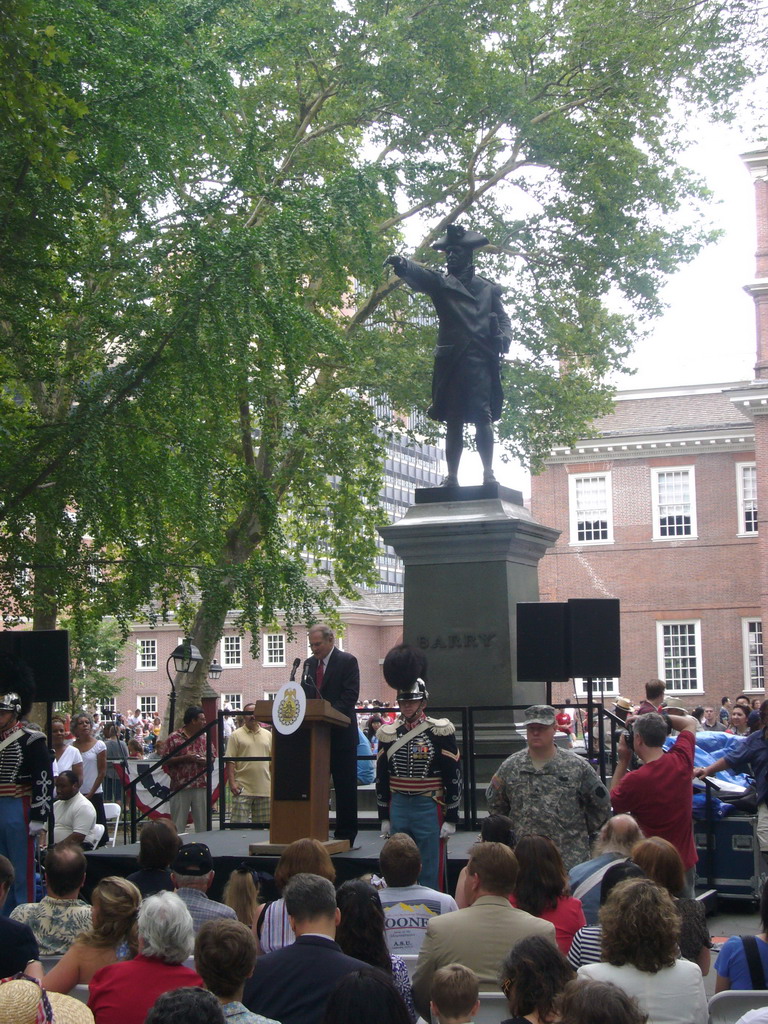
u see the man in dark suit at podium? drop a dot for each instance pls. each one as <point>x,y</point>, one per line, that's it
<point>334,675</point>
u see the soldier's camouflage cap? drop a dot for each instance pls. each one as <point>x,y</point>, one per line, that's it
<point>539,714</point>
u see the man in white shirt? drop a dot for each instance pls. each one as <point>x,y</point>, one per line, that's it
<point>408,907</point>
<point>73,814</point>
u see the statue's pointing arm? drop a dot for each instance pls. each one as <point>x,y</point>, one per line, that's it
<point>421,279</point>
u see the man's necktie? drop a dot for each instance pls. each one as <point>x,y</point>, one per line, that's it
<point>319,675</point>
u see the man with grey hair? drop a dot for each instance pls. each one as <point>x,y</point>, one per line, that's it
<point>192,873</point>
<point>615,841</point>
<point>293,984</point>
<point>659,793</point>
<point>548,791</point>
<point>123,993</point>
<point>334,675</point>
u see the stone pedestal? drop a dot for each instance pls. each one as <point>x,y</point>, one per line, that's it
<point>471,555</point>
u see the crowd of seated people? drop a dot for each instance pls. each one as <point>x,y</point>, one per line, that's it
<point>147,947</point>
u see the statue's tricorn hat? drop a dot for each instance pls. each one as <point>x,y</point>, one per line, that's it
<point>455,235</point>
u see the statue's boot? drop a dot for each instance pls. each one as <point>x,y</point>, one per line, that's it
<point>451,480</point>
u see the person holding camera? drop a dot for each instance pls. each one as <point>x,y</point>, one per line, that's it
<point>659,793</point>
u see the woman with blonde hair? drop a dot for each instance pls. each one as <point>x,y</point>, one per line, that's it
<point>111,938</point>
<point>663,865</point>
<point>641,931</point>
<point>241,893</point>
<point>271,925</point>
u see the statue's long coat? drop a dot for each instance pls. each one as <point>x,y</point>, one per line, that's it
<point>464,315</point>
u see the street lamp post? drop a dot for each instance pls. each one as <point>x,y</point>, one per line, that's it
<point>184,658</point>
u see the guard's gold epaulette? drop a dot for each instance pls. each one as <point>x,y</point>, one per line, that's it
<point>387,731</point>
<point>441,726</point>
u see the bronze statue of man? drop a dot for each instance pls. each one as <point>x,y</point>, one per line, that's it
<point>473,333</point>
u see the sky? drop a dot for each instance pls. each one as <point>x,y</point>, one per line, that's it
<point>707,334</point>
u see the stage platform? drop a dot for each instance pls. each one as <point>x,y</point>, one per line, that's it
<point>229,848</point>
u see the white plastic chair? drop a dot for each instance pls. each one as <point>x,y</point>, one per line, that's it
<point>727,1007</point>
<point>96,833</point>
<point>80,992</point>
<point>493,1008</point>
<point>112,813</point>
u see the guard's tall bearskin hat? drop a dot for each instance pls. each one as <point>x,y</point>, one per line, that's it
<point>405,670</point>
<point>17,685</point>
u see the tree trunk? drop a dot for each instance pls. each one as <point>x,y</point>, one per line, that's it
<point>43,589</point>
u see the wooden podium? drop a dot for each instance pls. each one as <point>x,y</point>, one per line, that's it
<point>301,779</point>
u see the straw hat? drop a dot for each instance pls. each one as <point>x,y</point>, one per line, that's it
<point>23,1001</point>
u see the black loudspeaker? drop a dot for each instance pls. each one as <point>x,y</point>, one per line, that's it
<point>46,651</point>
<point>594,638</point>
<point>541,643</point>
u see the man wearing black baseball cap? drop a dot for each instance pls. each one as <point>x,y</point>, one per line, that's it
<point>192,873</point>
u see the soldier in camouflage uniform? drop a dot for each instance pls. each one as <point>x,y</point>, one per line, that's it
<point>418,779</point>
<point>550,792</point>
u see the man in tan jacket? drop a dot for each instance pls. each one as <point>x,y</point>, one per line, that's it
<point>480,935</point>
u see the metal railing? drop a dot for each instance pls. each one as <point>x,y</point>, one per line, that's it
<point>468,721</point>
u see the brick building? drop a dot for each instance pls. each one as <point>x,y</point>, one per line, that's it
<point>661,508</point>
<point>371,626</point>
<point>658,509</point>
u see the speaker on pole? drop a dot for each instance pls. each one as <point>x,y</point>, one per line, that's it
<point>46,651</point>
<point>541,642</point>
<point>594,638</point>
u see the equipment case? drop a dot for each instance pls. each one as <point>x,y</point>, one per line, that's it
<point>738,871</point>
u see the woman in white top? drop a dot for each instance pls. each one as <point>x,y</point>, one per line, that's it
<point>641,931</point>
<point>66,757</point>
<point>94,754</point>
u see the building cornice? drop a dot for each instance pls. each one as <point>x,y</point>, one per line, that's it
<point>738,436</point>
<point>758,288</point>
<point>626,447</point>
<point>756,161</point>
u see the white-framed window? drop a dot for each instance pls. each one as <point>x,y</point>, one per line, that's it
<point>752,641</point>
<point>590,504</point>
<point>146,655</point>
<point>678,645</point>
<point>746,490</point>
<point>232,651</point>
<point>233,701</point>
<point>674,503</point>
<point>270,694</point>
<point>147,705</point>
<point>599,686</point>
<point>108,707</point>
<point>274,650</point>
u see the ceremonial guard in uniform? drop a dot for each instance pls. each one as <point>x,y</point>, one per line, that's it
<point>26,781</point>
<point>418,779</point>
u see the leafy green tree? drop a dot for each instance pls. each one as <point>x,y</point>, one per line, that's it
<point>95,646</point>
<point>194,316</point>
